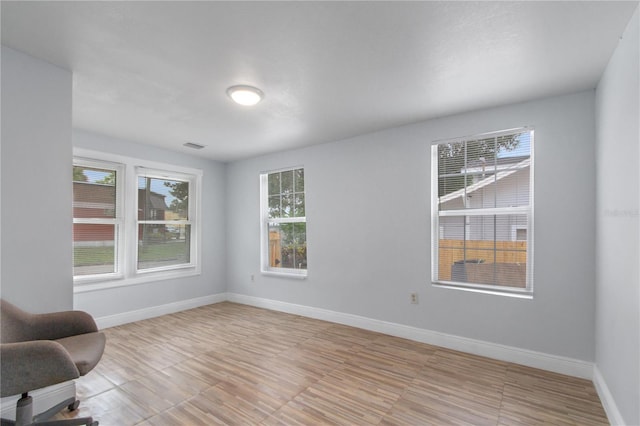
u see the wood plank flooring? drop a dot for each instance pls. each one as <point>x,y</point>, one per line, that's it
<point>239,365</point>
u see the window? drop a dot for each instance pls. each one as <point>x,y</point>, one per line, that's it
<point>97,218</point>
<point>134,220</point>
<point>164,221</point>
<point>482,207</point>
<point>284,222</point>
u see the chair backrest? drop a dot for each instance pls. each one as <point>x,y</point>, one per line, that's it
<point>14,323</point>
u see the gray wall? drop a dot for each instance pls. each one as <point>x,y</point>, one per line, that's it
<point>101,303</point>
<point>618,217</point>
<point>37,141</point>
<point>368,214</point>
<point>36,194</point>
<point>368,221</point>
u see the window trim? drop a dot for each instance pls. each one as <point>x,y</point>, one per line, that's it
<point>527,292</point>
<point>265,220</point>
<point>130,275</point>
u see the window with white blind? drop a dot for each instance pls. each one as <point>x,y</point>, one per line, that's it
<point>133,220</point>
<point>482,212</point>
<point>284,222</point>
<point>97,218</point>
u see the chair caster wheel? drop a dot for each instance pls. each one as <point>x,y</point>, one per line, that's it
<point>74,405</point>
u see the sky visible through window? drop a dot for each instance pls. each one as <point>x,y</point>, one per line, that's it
<point>523,148</point>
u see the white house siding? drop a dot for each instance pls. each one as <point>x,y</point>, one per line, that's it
<point>510,191</point>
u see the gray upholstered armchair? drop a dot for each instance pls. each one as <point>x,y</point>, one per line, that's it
<point>39,350</point>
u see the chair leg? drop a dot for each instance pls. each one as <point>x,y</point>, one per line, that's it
<point>24,410</point>
<point>80,421</point>
<point>69,402</point>
<point>24,414</point>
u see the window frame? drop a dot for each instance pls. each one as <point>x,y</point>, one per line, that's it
<point>527,210</point>
<point>117,220</point>
<point>191,215</point>
<point>265,220</point>
<point>128,252</point>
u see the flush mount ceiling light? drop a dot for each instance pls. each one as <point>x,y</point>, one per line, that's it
<point>245,95</point>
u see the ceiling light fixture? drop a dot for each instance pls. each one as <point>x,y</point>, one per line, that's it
<point>245,95</point>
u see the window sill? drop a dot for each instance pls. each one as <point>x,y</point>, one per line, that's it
<point>88,286</point>
<point>493,290</point>
<point>293,275</point>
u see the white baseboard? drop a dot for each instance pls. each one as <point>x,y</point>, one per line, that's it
<point>156,311</point>
<point>43,399</point>
<point>563,365</point>
<point>609,404</point>
<point>558,364</point>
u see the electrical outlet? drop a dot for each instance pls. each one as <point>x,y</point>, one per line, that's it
<point>414,298</point>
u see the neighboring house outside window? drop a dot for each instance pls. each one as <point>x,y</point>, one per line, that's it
<point>482,206</point>
<point>284,222</point>
<point>134,220</point>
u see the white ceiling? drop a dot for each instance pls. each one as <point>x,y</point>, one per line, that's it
<point>156,72</point>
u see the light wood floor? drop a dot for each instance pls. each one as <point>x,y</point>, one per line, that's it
<point>239,365</point>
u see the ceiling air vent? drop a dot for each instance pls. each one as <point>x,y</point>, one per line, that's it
<point>193,145</point>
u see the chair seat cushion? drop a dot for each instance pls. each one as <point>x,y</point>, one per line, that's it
<point>32,365</point>
<point>85,350</point>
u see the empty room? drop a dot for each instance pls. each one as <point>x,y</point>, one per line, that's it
<point>320,213</point>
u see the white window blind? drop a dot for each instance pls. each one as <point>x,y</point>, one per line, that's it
<point>482,206</point>
<point>97,218</point>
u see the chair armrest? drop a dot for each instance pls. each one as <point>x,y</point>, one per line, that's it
<point>27,366</point>
<point>58,325</point>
